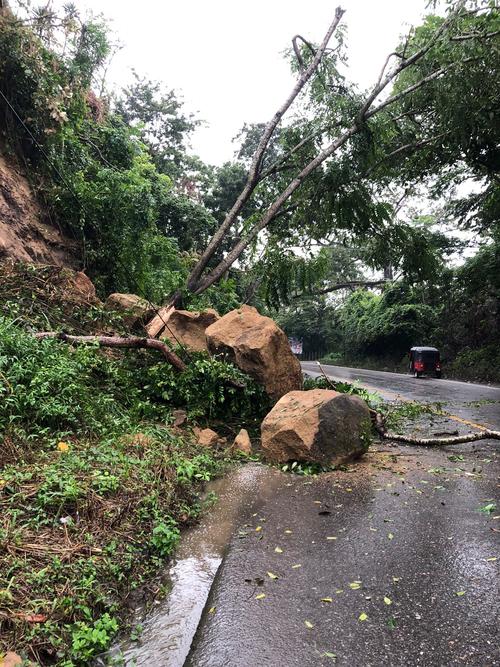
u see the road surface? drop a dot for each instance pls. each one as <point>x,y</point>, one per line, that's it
<point>391,562</point>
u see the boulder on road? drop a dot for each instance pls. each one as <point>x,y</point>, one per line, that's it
<point>319,425</point>
<point>188,328</point>
<point>258,347</point>
<point>133,308</point>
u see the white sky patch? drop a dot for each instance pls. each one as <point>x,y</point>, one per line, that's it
<point>226,56</point>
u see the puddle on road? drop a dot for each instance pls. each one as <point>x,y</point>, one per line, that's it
<point>169,629</point>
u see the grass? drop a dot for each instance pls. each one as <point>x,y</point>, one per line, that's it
<point>85,523</point>
<point>95,483</point>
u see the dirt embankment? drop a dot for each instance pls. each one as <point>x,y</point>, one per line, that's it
<point>24,233</point>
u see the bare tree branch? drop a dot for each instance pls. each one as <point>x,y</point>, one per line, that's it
<point>346,285</point>
<point>118,341</point>
<point>253,174</point>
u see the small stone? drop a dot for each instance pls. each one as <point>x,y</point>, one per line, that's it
<point>180,417</point>
<point>206,437</point>
<point>11,659</point>
<point>242,443</point>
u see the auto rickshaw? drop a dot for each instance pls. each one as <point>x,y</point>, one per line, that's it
<point>424,361</point>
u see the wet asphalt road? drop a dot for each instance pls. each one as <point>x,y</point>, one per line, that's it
<point>408,548</point>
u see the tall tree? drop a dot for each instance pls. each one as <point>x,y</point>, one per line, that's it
<point>343,133</point>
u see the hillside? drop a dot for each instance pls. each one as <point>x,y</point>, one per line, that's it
<point>25,232</point>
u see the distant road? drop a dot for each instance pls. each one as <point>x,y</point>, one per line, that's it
<point>390,385</point>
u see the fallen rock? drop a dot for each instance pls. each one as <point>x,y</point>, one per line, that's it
<point>206,437</point>
<point>319,425</point>
<point>180,417</point>
<point>258,347</point>
<point>242,443</point>
<point>134,309</point>
<point>188,328</point>
<point>10,659</point>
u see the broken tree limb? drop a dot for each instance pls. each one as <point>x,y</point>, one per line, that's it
<point>119,341</point>
<point>379,423</point>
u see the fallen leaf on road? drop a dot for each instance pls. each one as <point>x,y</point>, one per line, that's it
<point>387,600</point>
<point>491,560</point>
<point>362,617</point>
<point>212,610</point>
<point>308,624</point>
<point>328,654</point>
<point>258,529</point>
<point>297,565</point>
<point>460,593</point>
<point>260,596</point>
<point>355,585</point>
<point>339,591</point>
<point>288,532</point>
<point>278,550</point>
<point>390,536</point>
<point>331,537</point>
<point>271,575</point>
<point>326,600</point>
<point>396,579</point>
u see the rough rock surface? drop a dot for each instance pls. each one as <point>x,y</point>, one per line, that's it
<point>242,443</point>
<point>206,437</point>
<point>258,347</point>
<point>319,425</point>
<point>24,234</point>
<point>134,308</point>
<point>188,328</point>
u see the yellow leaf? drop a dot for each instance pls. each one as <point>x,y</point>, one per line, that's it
<point>288,532</point>
<point>460,593</point>
<point>491,560</point>
<point>294,567</point>
<point>326,600</point>
<point>390,536</point>
<point>355,585</point>
<point>62,446</point>
<point>212,610</point>
<point>396,579</point>
<point>362,617</point>
<point>258,529</point>
<point>260,596</point>
<point>340,590</point>
<point>308,624</point>
<point>387,600</point>
<point>278,550</point>
<point>272,576</point>
<point>331,537</point>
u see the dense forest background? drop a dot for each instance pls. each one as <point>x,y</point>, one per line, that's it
<point>395,242</point>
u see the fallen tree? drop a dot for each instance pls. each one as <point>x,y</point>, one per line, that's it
<point>120,341</point>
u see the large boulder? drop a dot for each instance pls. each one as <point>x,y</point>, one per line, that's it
<point>258,347</point>
<point>135,310</point>
<point>188,328</point>
<point>319,425</point>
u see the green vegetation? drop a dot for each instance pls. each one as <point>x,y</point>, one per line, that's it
<point>95,484</point>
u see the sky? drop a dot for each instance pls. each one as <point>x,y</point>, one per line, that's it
<point>225,57</point>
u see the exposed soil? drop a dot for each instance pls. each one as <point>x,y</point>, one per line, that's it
<point>24,233</point>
